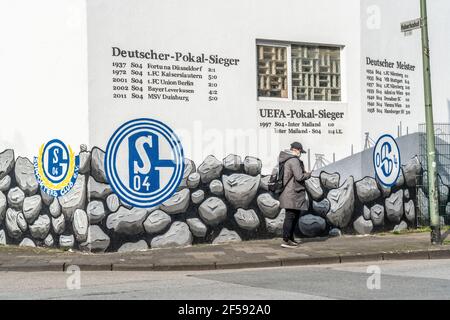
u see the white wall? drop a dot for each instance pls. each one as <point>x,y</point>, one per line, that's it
<point>228,28</point>
<point>43,83</point>
<point>43,52</point>
<point>439,26</point>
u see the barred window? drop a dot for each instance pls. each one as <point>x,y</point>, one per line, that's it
<point>272,71</point>
<point>313,72</point>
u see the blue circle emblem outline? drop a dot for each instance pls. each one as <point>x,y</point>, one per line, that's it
<point>64,147</point>
<point>399,161</point>
<point>126,194</point>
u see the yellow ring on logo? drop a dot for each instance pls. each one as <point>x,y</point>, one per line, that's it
<point>69,175</point>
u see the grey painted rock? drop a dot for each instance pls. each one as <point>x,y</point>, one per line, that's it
<point>12,227</point>
<point>213,211</point>
<point>269,207</point>
<point>156,222</point>
<point>32,207</point>
<point>6,162</point>
<point>314,188</point>
<point>189,168</point>
<point>385,191</point>
<point>400,180</point>
<point>46,198</point>
<point>363,226</point>
<point>127,221</point>
<point>410,211</point>
<point>16,198</point>
<point>366,213</point>
<point>312,226</point>
<point>5,183</point>
<point>2,238</point>
<point>216,187</point>
<point>22,222</point>
<point>141,245</point>
<point>335,232</point>
<point>98,165</point>
<point>367,190</point>
<point>377,215</point>
<point>85,162</point>
<point>232,163</point>
<point>55,208</point>
<point>3,205</point>
<point>247,219</point>
<point>406,194</point>
<point>96,241</point>
<point>59,224</point>
<point>424,185</point>
<point>252,166</point>
<point>198,196</point>
<point>75,198</point>
<point>411,171</point>
<point>443,194</point>
<point>95,211</point>
<point>66,241</point>
<point>275,226</point>
<point>342,203</point>
<point>126,205</point>
<point>264,183</point>
<point>97,190</point>
<point>422,209</point>
<point>394,207</point>
<point>322,207</point>
<point>210,169</point>
<point>25,178</point>
<point>27,243</point>
<point>152,209</point>
<point>49,241</point>
<point>240,189</point>
<point>40,228</point>
<point>227,236</point>
<point>193,180</point>
<point>113,202</point>
<point>330,181</point>
<point>178,235</point>
<point>178,203</point>
<point>402,226</point>
<point>198,228</point>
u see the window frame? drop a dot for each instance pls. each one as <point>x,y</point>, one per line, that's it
<point>288,45</point>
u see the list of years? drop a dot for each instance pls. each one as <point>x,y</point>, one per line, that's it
<point>163,82</point>
<point>388,91</point>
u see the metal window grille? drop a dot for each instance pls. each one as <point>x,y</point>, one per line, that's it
<point>316,73</point>
<point>442,141</point>
<point>272,71</point>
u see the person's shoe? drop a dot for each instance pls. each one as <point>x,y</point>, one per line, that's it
<point>288,245</point>
<point>294,243</point>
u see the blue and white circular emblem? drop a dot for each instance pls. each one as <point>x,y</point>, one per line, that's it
<point>144,162</point>
<point>387,161</point>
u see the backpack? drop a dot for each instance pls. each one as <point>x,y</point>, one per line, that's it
<point>276,184</point>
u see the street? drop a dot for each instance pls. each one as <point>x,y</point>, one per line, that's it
<point>397,280</point>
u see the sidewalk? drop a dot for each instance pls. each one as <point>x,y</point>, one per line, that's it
<point>253,254</point>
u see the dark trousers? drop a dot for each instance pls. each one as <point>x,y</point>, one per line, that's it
<point>290,221</point>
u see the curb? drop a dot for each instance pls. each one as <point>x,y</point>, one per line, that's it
<point>288,262</point>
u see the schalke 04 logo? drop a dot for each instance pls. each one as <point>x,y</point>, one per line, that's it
<point>386,160</point>
<point>144,162</point>
<point>56,168</point>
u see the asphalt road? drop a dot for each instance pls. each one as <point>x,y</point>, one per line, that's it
<point>397,280</point>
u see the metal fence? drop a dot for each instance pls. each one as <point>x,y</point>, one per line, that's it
<point>442,140</point>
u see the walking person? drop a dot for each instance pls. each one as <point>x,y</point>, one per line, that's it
<point>293,197</point>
